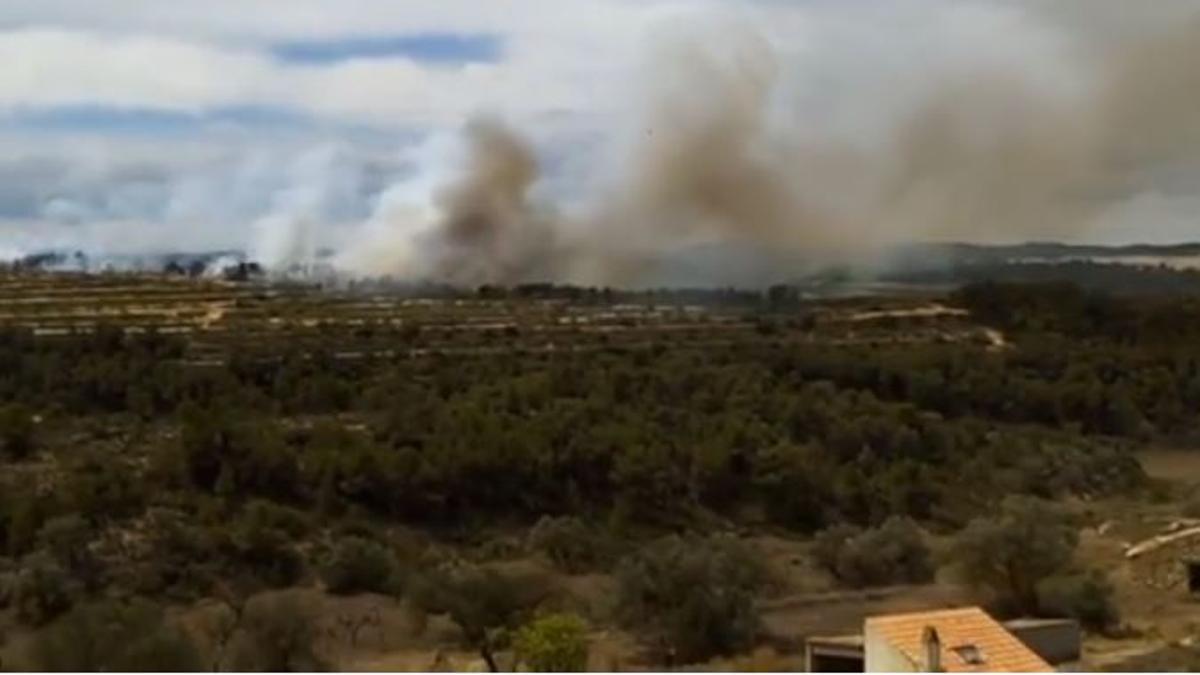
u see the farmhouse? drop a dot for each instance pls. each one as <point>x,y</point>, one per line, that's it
<point>953,640</point>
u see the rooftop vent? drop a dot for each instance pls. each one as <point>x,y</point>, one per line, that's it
<point>970,654</point>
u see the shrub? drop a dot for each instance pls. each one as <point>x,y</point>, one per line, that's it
<point>1010,554</point>
<point>17,431</point>
<point>483,603</point>
<point>1085,597</point>
<point>67,539</point>
<point>554,643</point>
<point>265,550</point>
<point>360,566</point>
<point>292,522</point>
<point>99,486</point>
<point>114,637</point>
<point>277,634</point>
<point>794,481</point>
<point>42,590</point>
<point>182,558</point>
<point>569,543</point>
<point>893,553</point>
<point>829,544</point>
<point>693,598</point>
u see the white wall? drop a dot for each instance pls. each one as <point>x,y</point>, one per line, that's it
<point>881,656</point>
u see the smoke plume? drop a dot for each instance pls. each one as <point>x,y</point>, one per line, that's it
<point>718,154</point>
<point>480,227</point>
<point>743,148</point>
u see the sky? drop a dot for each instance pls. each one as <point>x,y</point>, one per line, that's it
<point>139,125</point>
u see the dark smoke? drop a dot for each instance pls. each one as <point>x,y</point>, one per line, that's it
<point>491,231</point>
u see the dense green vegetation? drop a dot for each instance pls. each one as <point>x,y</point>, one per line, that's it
<point>1024,557</point>
<point>1099,274</point>
<point>555,643</point>
<point>282,466</point>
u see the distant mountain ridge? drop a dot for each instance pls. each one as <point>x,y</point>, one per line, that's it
<point>1050,250</point>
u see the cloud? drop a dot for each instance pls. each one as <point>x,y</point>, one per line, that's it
<point>425,62</point>
<point>196,78</point>
<point>265,21</point>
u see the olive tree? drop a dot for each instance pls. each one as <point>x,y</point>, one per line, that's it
<point>1009,554</point>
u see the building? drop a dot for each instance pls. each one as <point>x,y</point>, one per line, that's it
<point>1168,561</point>
<point>954,640</point>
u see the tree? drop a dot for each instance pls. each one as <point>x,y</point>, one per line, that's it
<point>1087,597</point>
<point>693,598</point>
<point>276,634</point>
<point>17,431</point>
<point>42,590</point>
<point>111,636</point>
<point>569,543</point>
<point>232,455</point>
<point>651,482</point>
<point>1010,554</point>
<point>67,539</point>
<point>360,566</point>
<point>795,485</point>
<point>893,553</point>
<point>553,643</point>
<point>485,604</point>
<point>263,545</point>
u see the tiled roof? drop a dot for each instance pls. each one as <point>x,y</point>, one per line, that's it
<point>1000,650</point>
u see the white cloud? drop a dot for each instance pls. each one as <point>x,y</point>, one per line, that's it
<point>196,56</point>
<point>59,68</point>
<point>56,68</point>
<point>256,21</point>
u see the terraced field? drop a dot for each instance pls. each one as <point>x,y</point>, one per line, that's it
<point>220,317</point>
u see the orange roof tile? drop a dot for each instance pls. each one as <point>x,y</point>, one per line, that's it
<point>1001,650</point>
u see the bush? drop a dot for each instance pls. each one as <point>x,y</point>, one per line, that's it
<point>17,430</point>
<point>277,634</point>
<point>554,643</point>
<point>794,481</point>
<point>893,553</point>
<point>42,590</point>
<point>483,603</point>
<point>98,486</point>
<point>694,599</point>
<point>829,544</point>
<point>67,539</point>
<point>114,637</point>
<point>360,566</point>
<point>182,557</point>
<point>1085,597</point>
<point>1009,555</point>
<point>569,543</point>
<point>265,549</point>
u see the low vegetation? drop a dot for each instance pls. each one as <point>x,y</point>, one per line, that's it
<point>690,600</point>
<point>1024,560</point>
<point>553,643</point>
<point>409,461</point>
<point>113,636</point>
<point>896,552</point>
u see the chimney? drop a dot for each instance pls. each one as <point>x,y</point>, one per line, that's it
<point>932,646</point>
